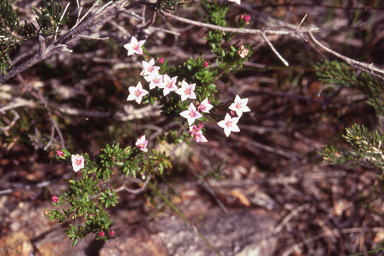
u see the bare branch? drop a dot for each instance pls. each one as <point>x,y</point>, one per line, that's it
<point>72,36</point>
<point>238,30</point>
<point>274,50</point>
<point>135,191</point>
<point>346,59</point>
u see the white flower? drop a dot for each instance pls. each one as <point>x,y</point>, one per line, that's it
<point>235,1</point>
<point>191,114</point>
<point>186,91</point>
<point>229,124</point>
<point>169,84</point>
<point>149,68</point>
<point>134,46</point>
<point>240,106</point>
<point>137,93</point>
<point>205,106</point>
<point>199,137</point>
<point>155,79</point>
<point>77,162</point>
<point>142,143</point>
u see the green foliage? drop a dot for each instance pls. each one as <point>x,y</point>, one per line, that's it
<point>335,73</point>
<point>365,146</point>
<point>88,196</point>
<point>49,18</point>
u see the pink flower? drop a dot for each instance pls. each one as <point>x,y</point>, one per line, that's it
<point>193,129</point>
<point>199,137</point>
<point>161,60</point>
<point>112,233</point>
<point>205,106</point>
<point>247,18</point>
<point>77,162</point>
<point>243,52</point>
<point>60,153</point>
<point>169,84</point>
<point>101,233</point>
<point>191,114</point>
<point>137,93</point>
<point>240,106</point>
<point>134,46</point>
<point>206,64</point>
<point>234,1</point>
<point>149,68</point>
<point>229,124</point>
<point>142,143</point>
<point>154,80</point>
<point>55,199</point>
<point>186,91</point>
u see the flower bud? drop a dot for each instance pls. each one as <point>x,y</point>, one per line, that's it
<point>101,233</point>
<point>60,153</point>
<point>55,199</point>
<point>206,64</point>
<point>247,18</point>
<point>112,233</point>
<point>161,60</point>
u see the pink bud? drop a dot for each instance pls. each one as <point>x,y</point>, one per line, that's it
<point>247,18</point>
<point>112,233</point>
<point>101,233</point>
<point>161,60</point>
<point>200,126</point>
<point>59,153</point>
<point>206,64</point>
<point>46,212</point>
<point>55,199</point>
<point>232,113</point>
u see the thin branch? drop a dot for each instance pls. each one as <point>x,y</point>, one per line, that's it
<point>238,30</point>
<point>72,36</point>
<point>135,191</point>
<point>346,59</point>
<point>6,128</point>
<point>94,38</point>
<point>43,47</point>
<point>298,28</point>
<point>274,50</point>
<point>61,18</point>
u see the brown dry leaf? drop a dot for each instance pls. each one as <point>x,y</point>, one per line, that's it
<point>242,198</point>
<point>379,237</point>
<point>340,206</point>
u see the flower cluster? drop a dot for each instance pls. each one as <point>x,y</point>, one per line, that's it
<point>229,124</point>
<point>242,52</point>
<point>168,84</point>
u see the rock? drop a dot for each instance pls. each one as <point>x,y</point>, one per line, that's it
<point>16,244</point>
<point>134,246</point>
